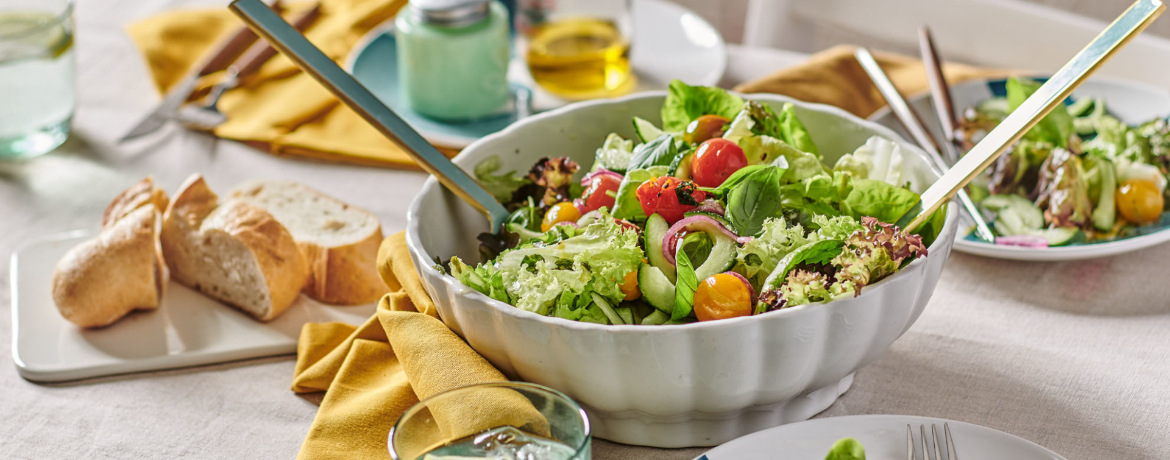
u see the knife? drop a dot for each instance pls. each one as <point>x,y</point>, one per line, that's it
<point>226,52</point>
<point>1052,92</point>
<point>940,92</point>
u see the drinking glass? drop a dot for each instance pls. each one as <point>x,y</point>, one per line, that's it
<point>37,97</point>
<point>577,49</point>
<point>501,420</point>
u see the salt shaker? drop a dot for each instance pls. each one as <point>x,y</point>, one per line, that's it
<point>453,57</point>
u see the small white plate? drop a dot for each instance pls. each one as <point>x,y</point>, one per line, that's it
<point>884,437</point>
<point>188,329</point>
<point>1132,102</point>
<point>669,42</point>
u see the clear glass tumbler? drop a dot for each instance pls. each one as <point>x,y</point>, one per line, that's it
<point>37,95</point>
<point>501,420</point>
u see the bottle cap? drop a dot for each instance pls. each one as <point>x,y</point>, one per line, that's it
<point>449,13</point>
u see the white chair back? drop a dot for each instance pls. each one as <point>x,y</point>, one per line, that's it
<point>1004,33</point>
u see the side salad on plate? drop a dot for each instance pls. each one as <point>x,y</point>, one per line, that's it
<point>725,210</point>
<point>1079,176</point>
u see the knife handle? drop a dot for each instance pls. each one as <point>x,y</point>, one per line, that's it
<point>260,52</point>
<point>229,50</point>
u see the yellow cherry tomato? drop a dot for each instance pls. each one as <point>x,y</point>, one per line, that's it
<point>722,296</point>
<point>630,286</point>
<point>560,212</point>
<point>1139,201</point>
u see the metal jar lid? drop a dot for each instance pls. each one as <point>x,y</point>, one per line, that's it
<point>449,13</point>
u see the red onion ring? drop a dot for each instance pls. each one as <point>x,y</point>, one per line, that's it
<point>711,205</point>
<point>579,203</point>
<point>1027,241</point>
<point>600,172</point>
<point>751,290</point>
<point>670,239</point>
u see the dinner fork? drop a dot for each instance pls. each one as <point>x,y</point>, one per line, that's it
<point>926,454</point>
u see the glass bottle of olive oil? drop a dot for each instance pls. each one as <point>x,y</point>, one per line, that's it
<point>577,49</point>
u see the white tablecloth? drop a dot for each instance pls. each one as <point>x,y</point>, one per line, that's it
<point>1071,356</point>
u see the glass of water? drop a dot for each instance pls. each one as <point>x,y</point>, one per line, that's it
<point>500,420</point>
<point>37,96</point>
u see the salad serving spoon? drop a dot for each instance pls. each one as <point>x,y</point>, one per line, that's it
<point>309,58</point>
<point>1052,92</point>
<point>912,124</point>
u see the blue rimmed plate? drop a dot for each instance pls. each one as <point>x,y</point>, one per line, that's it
<point>669,42</point>
<point>1131,102</point>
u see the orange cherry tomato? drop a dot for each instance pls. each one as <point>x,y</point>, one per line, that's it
<point>722,296</point>
<point>661,195</point>
<point>1139,201</point>
<point>630,286</point>
<point>560,212</point>
<point>715,160</point>
<point>705,127</point>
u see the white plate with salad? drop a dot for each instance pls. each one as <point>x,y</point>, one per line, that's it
<point>1049,197</point>
<point>875,437</point>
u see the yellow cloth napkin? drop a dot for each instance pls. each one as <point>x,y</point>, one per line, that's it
<point>280,108</point>
<point>835,77</point>
<point>373,373</point>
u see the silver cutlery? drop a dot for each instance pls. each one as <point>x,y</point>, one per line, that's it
<point>937,454</point>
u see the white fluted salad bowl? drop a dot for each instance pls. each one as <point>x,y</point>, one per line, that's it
<point>698,384</point>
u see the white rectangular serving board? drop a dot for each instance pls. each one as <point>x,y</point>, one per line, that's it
<point>188,329</point>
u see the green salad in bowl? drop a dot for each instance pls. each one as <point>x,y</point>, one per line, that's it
<point>726,210</point>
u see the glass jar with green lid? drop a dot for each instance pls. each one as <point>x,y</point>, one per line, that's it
<point>453,57</point>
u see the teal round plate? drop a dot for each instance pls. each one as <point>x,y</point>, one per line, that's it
<point>669,42</point>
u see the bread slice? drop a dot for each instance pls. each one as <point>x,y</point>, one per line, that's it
<point>121,270</point>
<point>235,252</point>
<point>138,195</point>
<point>339,242</point>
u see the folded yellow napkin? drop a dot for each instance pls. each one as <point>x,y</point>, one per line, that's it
<point>835,77</point>
<point>373,373</point>
<point>280,108</point>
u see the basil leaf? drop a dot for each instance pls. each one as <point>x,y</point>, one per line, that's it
<point>878,199</point>
<point>754,199</point>
<point>736,177</point>
<point>817,252</point>
<point>684,289</point>
<point>1055,128</point>
<point>659,152</point>
<point>685,103</point>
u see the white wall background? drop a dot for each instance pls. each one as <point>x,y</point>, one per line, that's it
<point>728,16</point>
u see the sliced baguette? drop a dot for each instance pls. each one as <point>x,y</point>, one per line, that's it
<point>339,241</point>
<point>121,270</point>
<point>138,195</point>
<point>235,252</point>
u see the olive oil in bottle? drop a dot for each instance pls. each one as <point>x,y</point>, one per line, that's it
<point>577,49</point>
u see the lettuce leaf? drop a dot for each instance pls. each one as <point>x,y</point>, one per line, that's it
<point>880,159</point>
<point>793,131</point>
<point>502,185</point>
<point>878,199</point>
<point>757,258</point>
<point>1054,128</point>
<point>614,154</point>
<point>685,103</point>
<point>846,449</point>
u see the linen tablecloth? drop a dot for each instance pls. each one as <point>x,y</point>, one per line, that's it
<point>1075,357</point>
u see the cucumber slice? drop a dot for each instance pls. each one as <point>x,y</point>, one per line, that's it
<point>722,256</point>
<point>1057,236</point>
<point>607,309</point>
<point>656,289</point>
<point>682,169</point>
<point>656,318</point>
<point>996,107</point>
<point>646,131</point>
<point>525,233</point>
<point>1015,215</point>
<point>626,314</point>
<point>656,228</point>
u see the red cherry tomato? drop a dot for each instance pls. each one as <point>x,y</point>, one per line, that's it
<point>661,195</point>
<point>722,296</point>
<point>602,191</point>
<point>715,160</point>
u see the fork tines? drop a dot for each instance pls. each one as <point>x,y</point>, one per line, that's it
<point>926,451</point>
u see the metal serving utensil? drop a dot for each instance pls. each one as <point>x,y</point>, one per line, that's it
<point>912,124</point>
<point>1052,92</point>
<point>309,58</point>
<point>940,93</point>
